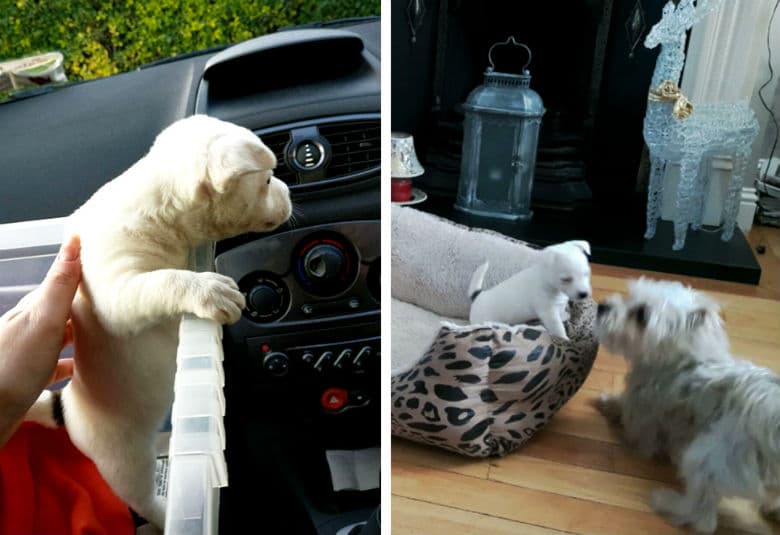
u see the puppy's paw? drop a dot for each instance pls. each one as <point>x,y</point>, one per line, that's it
<point>217,297</point>
<point>610,407</point>
<point>559,332</point>
<point>563,311</point>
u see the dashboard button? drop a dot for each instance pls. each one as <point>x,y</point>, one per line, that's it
<point>359,398</point>
<point>334,399</point>
<point>323,361</point>
<point>276,364</point>
<point>360,359</point>
<point>344,357</point>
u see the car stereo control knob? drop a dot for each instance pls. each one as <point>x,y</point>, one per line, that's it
<point>276,364</point>
<point>324,262</point>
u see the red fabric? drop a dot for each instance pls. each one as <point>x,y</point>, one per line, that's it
<point>47,487</point>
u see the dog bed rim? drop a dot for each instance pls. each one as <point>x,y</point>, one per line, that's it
<point>473,327</point>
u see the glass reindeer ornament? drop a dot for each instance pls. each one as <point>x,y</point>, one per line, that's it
<point>500,137</point>
<point>677,131</point>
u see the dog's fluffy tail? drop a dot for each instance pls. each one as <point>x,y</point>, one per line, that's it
<point>47,409</point>
<point>477,280</point>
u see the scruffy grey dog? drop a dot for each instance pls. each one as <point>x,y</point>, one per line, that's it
<point>716,418</point>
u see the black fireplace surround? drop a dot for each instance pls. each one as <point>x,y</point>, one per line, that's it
<point>592,71</point>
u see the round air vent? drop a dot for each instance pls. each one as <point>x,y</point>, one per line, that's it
<point>309,155</point>
<point>328,149</point>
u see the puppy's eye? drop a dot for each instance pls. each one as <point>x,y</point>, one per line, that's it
<point>567,280</point>
<point>639,314</point>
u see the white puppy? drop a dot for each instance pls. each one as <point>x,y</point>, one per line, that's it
<point>686,398</point>
<point>540,291</point>
<point>203,179</point>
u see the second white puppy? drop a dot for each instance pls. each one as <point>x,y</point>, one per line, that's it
<point>540,291</point>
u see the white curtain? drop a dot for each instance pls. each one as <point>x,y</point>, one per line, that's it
<point>727,60</point>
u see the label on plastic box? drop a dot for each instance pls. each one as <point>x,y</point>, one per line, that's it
<point>161,477</point>
<point>162,467</point>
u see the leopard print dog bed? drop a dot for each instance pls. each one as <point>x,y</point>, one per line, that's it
<point>485,390</point>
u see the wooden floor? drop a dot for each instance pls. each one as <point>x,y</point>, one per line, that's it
<point>576,477</point>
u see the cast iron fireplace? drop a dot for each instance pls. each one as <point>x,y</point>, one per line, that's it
<point>592,71</point>
<point>594,96</point>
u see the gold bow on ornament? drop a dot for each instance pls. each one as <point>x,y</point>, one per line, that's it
<point>669,92</point>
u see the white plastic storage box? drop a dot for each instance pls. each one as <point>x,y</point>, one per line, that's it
<point>195,467</point>
<point>196,453</point>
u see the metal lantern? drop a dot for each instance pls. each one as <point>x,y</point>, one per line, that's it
<point>500,136</point>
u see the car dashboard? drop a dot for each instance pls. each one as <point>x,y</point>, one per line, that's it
<point>302,364</point>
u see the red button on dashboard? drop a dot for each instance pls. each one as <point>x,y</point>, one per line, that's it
<point>333,399</point>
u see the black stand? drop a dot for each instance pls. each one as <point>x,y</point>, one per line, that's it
<point>616,238</point>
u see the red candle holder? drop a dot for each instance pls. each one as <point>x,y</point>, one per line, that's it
<point>401,189</point>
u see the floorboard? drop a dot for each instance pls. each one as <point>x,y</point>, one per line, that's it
<point>577,477</point>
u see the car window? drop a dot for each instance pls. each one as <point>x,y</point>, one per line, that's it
<point>50,43</point>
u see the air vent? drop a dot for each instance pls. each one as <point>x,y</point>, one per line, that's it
<point>353,149</point>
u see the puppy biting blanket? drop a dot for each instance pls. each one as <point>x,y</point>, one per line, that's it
<point>47,487</point>
<point>479,390</point>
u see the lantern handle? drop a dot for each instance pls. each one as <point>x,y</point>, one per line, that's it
<point>509,41</point>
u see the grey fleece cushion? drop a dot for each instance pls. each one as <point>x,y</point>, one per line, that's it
<point>433,260</point>
<point>480,390</point>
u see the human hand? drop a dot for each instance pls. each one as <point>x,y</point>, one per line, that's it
<point>33,333</point>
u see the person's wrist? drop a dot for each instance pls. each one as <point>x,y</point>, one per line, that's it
<point>14,404</point>
<point>18,396</point>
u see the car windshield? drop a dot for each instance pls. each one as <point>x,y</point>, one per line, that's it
<point>47,44</point>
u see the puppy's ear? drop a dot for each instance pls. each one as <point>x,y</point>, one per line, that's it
<point>582,245</point>
<point>231,156</point>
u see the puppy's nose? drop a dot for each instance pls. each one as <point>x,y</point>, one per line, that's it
<point>582,295</point>
<point>602,309</point>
